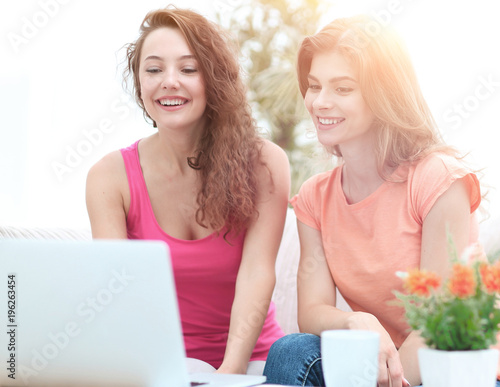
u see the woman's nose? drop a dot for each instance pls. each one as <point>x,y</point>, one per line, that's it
<point>323,100</point>
<point>170,81</point>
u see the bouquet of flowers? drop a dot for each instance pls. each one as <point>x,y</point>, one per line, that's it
<point>462,313</point>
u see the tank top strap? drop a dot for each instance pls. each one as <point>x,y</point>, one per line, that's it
<point>140,212</point>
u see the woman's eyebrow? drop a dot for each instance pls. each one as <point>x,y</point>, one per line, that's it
<point>152,57</point>
<point>156,57</point>
<point>334,79</point>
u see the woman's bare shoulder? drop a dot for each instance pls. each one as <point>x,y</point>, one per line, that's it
<point>108,174</point>
<point>275,170</point>
<point>273,153</point>
<point>108,165</point>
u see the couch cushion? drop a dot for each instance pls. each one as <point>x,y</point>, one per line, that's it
<point>287,261</point>
<point>9,232</point>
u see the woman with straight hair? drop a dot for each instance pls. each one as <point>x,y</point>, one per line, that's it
<point>205,183</point>
<point>388,206</point>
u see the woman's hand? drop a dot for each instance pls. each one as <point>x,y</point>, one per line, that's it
<point>408,353</point>
<point>390,369</point>
<point>225,369</point>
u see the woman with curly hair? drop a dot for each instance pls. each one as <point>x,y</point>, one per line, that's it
<point>205,183</point>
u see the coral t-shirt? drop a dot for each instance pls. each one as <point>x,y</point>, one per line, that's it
<point>366,243</point>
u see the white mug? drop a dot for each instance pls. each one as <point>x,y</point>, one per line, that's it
<point>350,358</point>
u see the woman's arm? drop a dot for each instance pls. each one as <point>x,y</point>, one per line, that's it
<point>316,304</point>
<point>315,286</point>
<point>256,275</point>
<point>106,182</point>
<point>450,213</point>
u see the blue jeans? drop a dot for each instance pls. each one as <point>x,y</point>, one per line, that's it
<point>295,360</point>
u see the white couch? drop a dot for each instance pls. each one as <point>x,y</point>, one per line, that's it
<point>285,293</point>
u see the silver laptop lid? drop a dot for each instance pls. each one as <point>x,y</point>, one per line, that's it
<point>98,313</point>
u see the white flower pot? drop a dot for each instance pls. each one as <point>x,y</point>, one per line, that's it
<point>458,368</point>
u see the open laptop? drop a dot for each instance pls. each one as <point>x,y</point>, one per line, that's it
<point>93,313</point>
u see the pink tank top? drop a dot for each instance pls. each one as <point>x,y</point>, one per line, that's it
<point>205,273</point>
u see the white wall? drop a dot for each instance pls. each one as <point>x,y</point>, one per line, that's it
<point>63,107</point>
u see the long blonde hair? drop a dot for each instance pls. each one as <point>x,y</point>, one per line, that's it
<point>406,129</point>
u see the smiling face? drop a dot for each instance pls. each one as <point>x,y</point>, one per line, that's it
<point>335,103</point>
<point>172,86</point>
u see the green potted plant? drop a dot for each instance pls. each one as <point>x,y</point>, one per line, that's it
<point>458,320</point>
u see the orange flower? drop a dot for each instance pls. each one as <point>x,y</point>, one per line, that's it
<point>420,282</point>
<point>462,282</point>
<point>490,275</point>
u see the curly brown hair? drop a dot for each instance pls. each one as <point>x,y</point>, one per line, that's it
<point>229,148</point>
